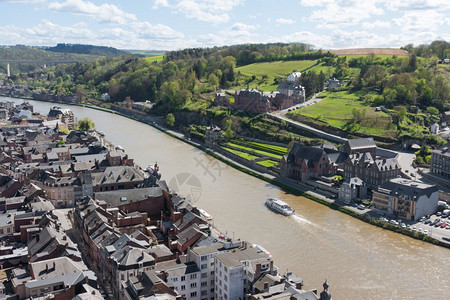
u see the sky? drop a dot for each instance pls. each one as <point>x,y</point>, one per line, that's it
<point>179,24</point>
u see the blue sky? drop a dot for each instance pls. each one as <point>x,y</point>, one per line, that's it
<point>178,24</point>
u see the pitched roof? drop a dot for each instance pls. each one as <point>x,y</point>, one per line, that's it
<point>307,152</point>
<point>361,143</point>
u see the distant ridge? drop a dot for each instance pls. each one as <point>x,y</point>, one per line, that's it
<point>368,51</point>
<point>86,49</point>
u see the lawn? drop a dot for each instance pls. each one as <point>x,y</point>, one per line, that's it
<point>154,58</point>
<point>242,154</point>
<point>267,163</point>
<point>266,147</point>
<point>266,72</point>
<point>336,110</point>
<point>265,153</point>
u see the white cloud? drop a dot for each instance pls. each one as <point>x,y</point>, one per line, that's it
<point>46,33</point>
<point>285,21</point>
<point>319,41</point>
<point>376,24</point>
<point>213,11</point>
<point>413,21</point>
<point>23,1</point>
<point>334,14</point>
<point>160,3</point>
<point>238,33</point>
<point>403,5</point>
<point>160,31</point>
<point>107,13</point>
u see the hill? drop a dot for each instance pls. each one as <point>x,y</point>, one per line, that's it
<point>86,49</point>
<point>25,59</point>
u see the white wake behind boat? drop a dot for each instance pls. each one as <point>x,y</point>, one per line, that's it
<point>279,206</point>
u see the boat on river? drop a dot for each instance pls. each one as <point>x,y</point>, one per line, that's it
<point>205,215</point>
<point>279,206</point>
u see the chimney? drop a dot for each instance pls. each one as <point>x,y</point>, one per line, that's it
<point>266,285</point>
<point>258,270</point>
<point>271,266</point>
<point>64,237</point>
<point>46,267</point>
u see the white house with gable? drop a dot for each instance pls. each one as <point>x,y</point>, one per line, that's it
<point>294,76</point>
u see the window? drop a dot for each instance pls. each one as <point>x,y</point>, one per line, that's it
<point>122,277</point>
<point>175,279</point>
<point>194,276</point>
<point>204,258</point>
<point>194,284</point>
<point>204,283</point>
<point>183,278</point>
<point>194,294</point>
<point>204,275</point>
<point>204,266</point>
<point>212,282</point>
<point>183,287</point>
<point>204,293</point>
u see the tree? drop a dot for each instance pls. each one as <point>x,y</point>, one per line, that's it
<point>86,124</point>
<point>170,120</point>
<point>229,134</point>
<point>213,80</point>
<point>358,114</point>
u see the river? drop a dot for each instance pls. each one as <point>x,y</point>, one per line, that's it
<point>359,261</point>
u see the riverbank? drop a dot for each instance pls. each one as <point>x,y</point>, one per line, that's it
<point>284,184</point>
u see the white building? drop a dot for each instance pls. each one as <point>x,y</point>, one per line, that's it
<point>236,271</point>
<point>6,224</point>
<point>294,76</point>
<point>434,129</point>
<point>204,256</point>
<point>185,277</point>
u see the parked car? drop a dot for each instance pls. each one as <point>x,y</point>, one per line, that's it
<point>361,207</point>
<point>435,221</point>
<point>419,230</point>
<point>426,231</point>
<point>393,222</point>
<point>443,225</point>
<point>427,221</point>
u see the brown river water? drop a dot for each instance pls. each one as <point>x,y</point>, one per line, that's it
<point>359,261</point>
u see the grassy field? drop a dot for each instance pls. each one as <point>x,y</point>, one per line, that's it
<point>265,153</point>
<point>266,72</point>
<point>154,58</point>
<point>266,147</point>
<point>267,163</point>
<point>336,110</point>
<point>242,154</point>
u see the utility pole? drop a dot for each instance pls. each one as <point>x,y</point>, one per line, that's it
<point>8,72</point>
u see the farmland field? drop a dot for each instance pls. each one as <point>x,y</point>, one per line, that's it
<point>154,58</point>
<point>242,154</point>
<point>368,51</point>
<point>266,72</point>
<point>265,153</point>
<point>267,163</point>
<point>336,109</point>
